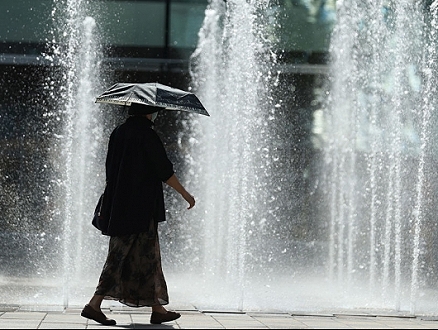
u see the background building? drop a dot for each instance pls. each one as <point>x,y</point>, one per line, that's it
<point>139,41</point>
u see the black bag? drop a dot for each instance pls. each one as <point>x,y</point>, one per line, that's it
<point>100,218</point>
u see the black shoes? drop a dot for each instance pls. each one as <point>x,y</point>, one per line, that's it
<point>158,318</point>
<point>92,314</point>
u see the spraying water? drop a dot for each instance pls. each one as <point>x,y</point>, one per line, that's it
<point>377,140</point>
<point>372,253</point>
<point>235,157</point>
<point>430,101</point>
<point>79,162</point>
<point>374,247</point>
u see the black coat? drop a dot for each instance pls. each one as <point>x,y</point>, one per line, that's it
<point>136,166</point>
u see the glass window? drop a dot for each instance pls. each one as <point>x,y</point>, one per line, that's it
<point>25,20</point>
<point>129,25</point>
<point>186,19</point>
<point>305,25</point>
<point>134,23</point>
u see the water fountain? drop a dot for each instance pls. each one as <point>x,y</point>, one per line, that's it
<point>379,155</point>
<point>368,241</point>
<point>82,141</point>
<point>234,202</point>
<point>75,129</point>
<point>256,247</point>
<point>374,250</point>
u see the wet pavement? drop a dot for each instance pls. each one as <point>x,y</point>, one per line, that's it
<point>56,317</point>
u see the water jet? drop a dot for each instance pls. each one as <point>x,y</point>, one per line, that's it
<point>351,230</point>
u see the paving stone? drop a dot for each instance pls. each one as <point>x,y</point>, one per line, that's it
<point>355,324</point>
<point>429,325</point>
<point>280,322</point>
<point>14,323</point>
<point>198,321</point>
<point>128,318</point>
<point>324,322</point>
<point>23,315</point>
<point>61,325</point>
<point>64,318</point>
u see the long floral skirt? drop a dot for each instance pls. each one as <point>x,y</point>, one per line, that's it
<point>132,273</point>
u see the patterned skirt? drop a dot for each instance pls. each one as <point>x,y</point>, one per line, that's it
<point>132,272</point>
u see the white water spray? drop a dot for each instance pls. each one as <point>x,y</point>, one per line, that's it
<point>231,78</point>
<point>376,148</point>
<point>76,53</point>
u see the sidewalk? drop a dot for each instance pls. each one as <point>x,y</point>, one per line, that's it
<point>15,317</point>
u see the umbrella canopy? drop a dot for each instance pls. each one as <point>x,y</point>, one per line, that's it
<point>152,94</point>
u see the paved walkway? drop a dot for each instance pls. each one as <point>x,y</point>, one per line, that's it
<point>15,317</point>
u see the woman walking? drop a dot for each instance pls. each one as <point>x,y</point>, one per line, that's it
<point>136,167</point>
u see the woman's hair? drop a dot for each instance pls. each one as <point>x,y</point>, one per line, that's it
<point>137,109</point>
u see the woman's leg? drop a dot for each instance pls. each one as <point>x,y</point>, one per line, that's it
<point>160,315</point>
<point>92,311</point>
<point>159,309</point>
<point>95,302</point>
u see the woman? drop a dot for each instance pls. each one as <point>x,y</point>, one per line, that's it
<point>136,166</point>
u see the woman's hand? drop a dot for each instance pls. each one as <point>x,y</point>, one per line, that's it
<point>189,198</point>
